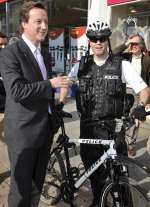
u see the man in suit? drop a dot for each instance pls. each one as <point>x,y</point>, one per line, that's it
<point>3,43</point>
<point>29,92</point>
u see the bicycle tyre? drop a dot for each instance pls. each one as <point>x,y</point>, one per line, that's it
<point>136,197</point>
<point>56,173</point>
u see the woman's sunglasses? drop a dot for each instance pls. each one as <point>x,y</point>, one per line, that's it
<point>134,44</point>
<point>100,39</point>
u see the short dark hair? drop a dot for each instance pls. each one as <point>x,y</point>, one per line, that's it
<point>26,7</point>
<point>2,35</point>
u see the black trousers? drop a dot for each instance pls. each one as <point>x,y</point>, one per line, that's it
<point>28,169</point>
<point>90,153</point>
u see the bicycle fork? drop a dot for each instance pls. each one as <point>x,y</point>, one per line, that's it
<point>117,190</point>
<point>114,176</point>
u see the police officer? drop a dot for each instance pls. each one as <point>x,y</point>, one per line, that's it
<point>101,98</point>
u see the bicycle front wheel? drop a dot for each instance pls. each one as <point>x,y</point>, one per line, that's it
<point>128,195</point>
<point>56,173</point>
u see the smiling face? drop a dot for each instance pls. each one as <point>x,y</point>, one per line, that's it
<point>35,29</point>
<point>99,47</point>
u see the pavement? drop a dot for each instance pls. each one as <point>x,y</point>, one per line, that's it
<point>84,197</point>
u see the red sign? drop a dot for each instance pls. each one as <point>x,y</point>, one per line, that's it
<point>78,32</point>
<point>2,1</point>
<point>54,34</point>
<point>112,2</point>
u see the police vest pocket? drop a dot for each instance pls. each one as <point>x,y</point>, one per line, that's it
<point>110,87</point>
<point>114,87</point>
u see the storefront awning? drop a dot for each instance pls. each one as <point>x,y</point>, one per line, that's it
<point>113,2</point>
<point>2,1</point>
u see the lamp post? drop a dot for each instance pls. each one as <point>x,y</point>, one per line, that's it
<point>89,7</point>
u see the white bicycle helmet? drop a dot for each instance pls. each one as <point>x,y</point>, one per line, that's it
<point>98,29</point>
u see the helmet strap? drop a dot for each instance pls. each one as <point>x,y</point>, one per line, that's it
<point>87,54</point>
<point>109,46</point>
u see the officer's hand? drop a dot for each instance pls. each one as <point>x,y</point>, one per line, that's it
<point>139,113</point>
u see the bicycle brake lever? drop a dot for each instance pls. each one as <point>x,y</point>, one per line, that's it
<point>72,145</point>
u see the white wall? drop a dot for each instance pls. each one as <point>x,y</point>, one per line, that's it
<point>97,10</point>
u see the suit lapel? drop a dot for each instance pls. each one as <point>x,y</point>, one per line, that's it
<point>47,62</point>
<point>30,59</point>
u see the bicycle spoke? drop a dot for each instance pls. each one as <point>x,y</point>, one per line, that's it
<point>126,196</point>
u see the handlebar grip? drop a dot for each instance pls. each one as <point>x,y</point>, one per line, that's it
<point>64,114</point>
<point>147,113</point>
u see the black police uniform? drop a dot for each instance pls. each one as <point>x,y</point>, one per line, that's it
<point>100,96</point>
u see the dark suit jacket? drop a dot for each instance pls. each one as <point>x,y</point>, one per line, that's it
<point>27,96</point>
<point>2,96</point>
<point>145,62</point>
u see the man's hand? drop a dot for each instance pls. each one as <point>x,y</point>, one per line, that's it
<point>128,42</point>
<point>60,81</point>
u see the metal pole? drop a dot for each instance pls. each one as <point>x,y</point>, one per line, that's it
<point>89,8</point>
<point>7,18</point>
<point>89,4</point>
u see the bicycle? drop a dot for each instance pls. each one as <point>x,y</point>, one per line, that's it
<point>119,183</point>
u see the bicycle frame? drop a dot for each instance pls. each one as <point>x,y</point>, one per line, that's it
<point>117,167</point>
<point>111,152</point>
<point>71,184</point>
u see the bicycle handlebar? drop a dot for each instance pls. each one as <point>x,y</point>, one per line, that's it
<point>147,113</point>
<point>128,122</point>
<point>63,114</point>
